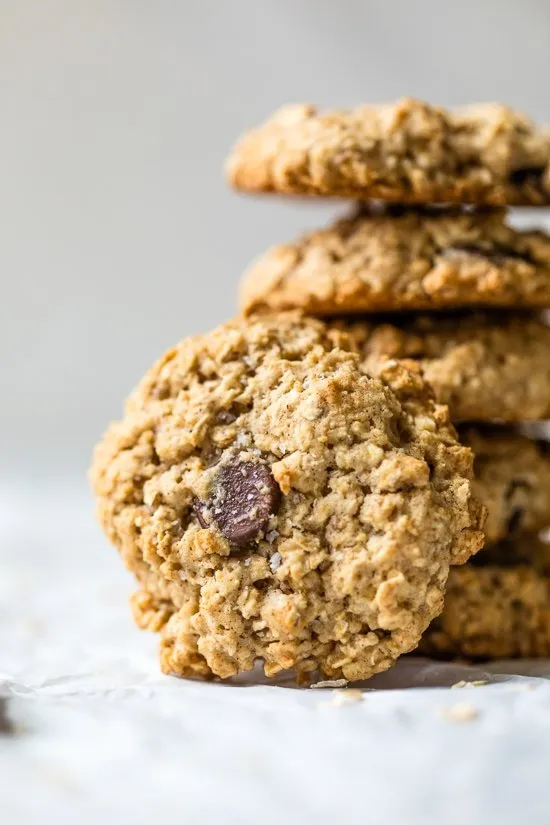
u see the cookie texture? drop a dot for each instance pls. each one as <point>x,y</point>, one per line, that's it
<point>485,366</point>
<point>512,479</point>
<point>277,503</point>
<point>396,259</point>
<point>498,607</point>
<point>406,152</point>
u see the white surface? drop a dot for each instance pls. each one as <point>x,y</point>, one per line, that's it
<point>102,736</point>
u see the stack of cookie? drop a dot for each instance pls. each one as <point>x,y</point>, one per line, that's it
<point>429,270</point>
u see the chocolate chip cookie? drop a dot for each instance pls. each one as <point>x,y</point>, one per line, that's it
<point>485,366</point>
<point>397,259</point>
<point>512,479</point>
<point>497,606</point>
<point>406,152</point>
<point>275,502</point>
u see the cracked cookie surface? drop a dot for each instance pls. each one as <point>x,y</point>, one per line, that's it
<point>397,259</point>
<point>497,606</point>
<point>406,152</point>
<point>485,366</point>
<point>277,503</point>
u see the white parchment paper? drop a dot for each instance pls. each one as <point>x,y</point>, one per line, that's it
<point>100,736</point>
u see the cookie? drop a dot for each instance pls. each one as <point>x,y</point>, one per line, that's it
<point>277,503</point>
<point>485,366</point>
<point>406,152</point>
<point>497,607</point>
<point>397,259</point>
<point>512,479</point>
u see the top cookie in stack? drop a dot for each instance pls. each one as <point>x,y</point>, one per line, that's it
<point>408,152</point>
<point>427,268</point>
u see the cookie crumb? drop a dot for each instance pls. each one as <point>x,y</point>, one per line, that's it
<point>461,712</point>
<point>475,683</point>
<point>341,697</point>
<point>330,683</point>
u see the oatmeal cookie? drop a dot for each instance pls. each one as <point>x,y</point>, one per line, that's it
<point>396,259</point>
<point>406,152</point>
<point>485,366</point>
<point>511,478</point>
<point>497,606</point>
<point>277,503</point>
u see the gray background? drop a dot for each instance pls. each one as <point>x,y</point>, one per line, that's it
<point>118,236</point>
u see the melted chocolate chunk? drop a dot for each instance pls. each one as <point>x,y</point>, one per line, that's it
<point>528,176</point>
<point>497,253</point>
<point>244,497</point>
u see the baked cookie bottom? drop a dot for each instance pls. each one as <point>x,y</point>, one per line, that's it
<point>496,606</point>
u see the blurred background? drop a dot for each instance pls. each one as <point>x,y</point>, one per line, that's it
<point>118,234</point>
<point>118,238</point>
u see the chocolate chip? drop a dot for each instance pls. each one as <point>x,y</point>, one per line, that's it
<point>528,176</point>
<point>245,496</point>
<point>497,253</point>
